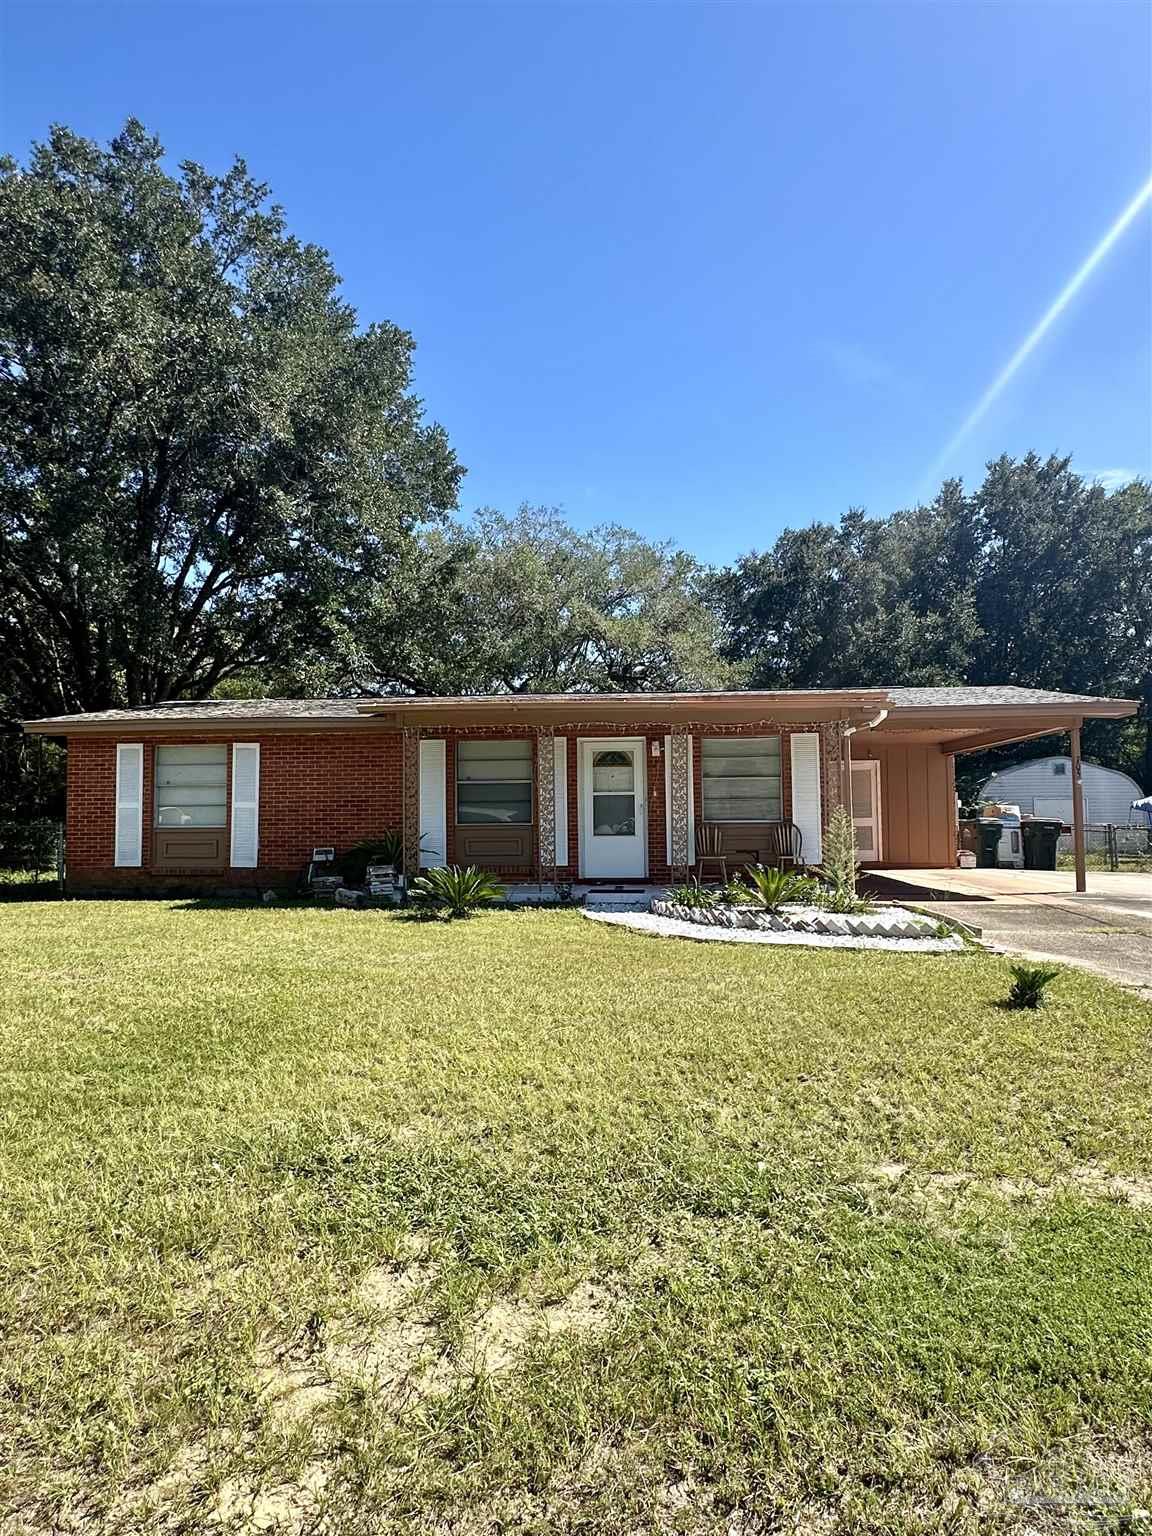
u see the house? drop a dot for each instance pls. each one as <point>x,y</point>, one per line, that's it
<point>599,787</point>
<point>1043,787</point>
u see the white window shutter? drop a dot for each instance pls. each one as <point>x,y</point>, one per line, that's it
<point>806,797</point>
<point>433,811</point>
<point>129,804</point>
<point>245,804</point>
<point>691,799</point>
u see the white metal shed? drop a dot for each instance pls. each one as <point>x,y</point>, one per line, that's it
<point>1043,787</point>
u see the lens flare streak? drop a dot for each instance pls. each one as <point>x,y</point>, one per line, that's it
<point>1038,332</point>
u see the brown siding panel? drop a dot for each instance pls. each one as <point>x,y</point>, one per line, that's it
<point>916,799</point>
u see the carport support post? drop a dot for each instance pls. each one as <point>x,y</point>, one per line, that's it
<point>1077,809</point>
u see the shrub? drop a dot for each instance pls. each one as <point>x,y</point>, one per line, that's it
<point>454,891</point>
<point>388,848</point>
<point>693,895</point>
<point>841,867</point>
<point>1030,984</point>
<point>28,845</point>
<point>772,888</point>
<point>808,891</point>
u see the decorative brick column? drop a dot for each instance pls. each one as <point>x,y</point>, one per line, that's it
<point>679,800</point>
<point>546,803</point>
<point>410,795</point>
<point>833,738</point>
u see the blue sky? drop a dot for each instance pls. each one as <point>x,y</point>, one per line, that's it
<point>704,269</point>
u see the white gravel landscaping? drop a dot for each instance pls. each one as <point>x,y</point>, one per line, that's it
<point>880,922</point>
<point>678,928</point>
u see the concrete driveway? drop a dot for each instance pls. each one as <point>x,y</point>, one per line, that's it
<point>1107,929</point>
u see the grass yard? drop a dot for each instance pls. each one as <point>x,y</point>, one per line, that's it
<point>1099,863</point>
<point>328,1222</point>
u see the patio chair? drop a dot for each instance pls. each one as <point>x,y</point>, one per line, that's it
<point>785,845</point>
<point>710,850</point>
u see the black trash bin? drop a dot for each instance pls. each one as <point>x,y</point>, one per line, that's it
<point>1041,837</point>
<point>990,831</point>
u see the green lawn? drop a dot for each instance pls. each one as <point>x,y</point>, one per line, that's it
<point>336,1222</point>
<point>1099,863</point>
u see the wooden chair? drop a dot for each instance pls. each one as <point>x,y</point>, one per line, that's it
<point>710,850</point>
<point>785,845</point>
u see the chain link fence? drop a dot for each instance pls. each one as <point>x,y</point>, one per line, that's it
<point>1113,847</point>
<point>31,856</point>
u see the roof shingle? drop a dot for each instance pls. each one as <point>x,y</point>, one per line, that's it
<point>254,711</point>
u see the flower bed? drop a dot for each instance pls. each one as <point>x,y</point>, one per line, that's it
<point>882,923</point>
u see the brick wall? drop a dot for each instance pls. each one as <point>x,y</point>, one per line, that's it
<point>339,787</point>
<point>316,788</point>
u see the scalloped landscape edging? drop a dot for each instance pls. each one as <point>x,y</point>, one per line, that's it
<point>887,923</point>
<point>677,928</point>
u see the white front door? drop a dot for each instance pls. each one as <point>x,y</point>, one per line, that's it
<point>866,811</point>
<point>613,812</point>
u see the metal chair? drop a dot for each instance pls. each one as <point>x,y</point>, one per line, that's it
<point>710,850</point>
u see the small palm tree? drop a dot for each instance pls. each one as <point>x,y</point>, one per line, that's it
<point>772,888</point>
<point>454,891</point>
<point>1030,985</point>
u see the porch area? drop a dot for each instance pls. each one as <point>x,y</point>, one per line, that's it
<point>599,803</point>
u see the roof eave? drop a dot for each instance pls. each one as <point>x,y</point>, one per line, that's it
<point>66,725</point>
<point>982,714</point>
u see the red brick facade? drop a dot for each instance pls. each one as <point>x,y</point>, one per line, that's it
<point>336,787</point>
<point>316,788</point>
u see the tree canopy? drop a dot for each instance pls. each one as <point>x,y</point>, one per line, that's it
<point>529,604</point>
<point>214,479</point>
<point>1037,577</point>
<point>200,451</point>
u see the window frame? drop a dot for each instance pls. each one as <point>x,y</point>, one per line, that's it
<point>529,779</point>
<point>739,821</point>
<point>198,826</point>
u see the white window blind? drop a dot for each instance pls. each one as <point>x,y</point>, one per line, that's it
<point>494,783</point>
<point>740,778</point>
<point>433,813</point>
<point>192,786</point>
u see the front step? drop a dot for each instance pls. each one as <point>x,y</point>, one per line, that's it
<point>635,899</point>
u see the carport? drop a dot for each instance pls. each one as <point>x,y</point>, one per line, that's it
<point>944,722</point>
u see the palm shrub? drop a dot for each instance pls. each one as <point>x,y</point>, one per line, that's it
<point>772,888</point>
<point>388,848</point>
<point>454,891</point>
<point>1029,985</point>
<point>841,866</point>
